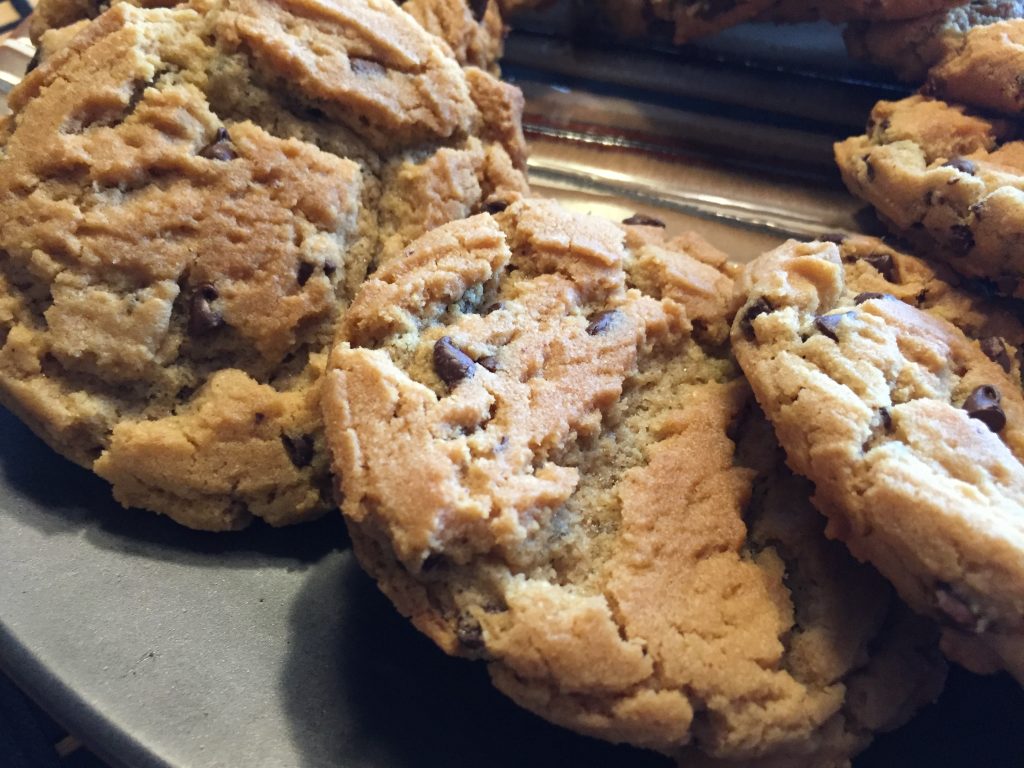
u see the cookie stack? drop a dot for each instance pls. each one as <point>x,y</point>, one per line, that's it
<point>259,259</point>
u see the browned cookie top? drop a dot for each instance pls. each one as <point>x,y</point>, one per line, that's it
<point>472,28</point>
<point>910,423</point>
<point>946,179</point>
<point>911,47</point>
<point>546,462</point>
<point>179,232</point>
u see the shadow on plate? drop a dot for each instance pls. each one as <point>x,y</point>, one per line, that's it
<point>55,496</point>
<point>363,688</point>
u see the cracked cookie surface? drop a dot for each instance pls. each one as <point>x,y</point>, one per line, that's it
<point>910,423</point>
<point>473,29</point>
<point>179,233</point>
<point>910,48</point>
<point>947,180</point>
<point>530,418</point>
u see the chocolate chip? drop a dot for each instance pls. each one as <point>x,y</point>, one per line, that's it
<point>643,220</point>
<point>833,237</point>
<point>602,321</point>
<point>330,268</point>
<point>995,350</point>
<point>758,308</point>
<point>495,206</point>
<point>869,168</point>
<point>828,324</point>
<point>493,307</point>
<point>203,318</point>
<point>479,8</point>
<point>983,404</point>
<point>34,61</point>
<point>961,239</point>
<point>490,363</point>
<point>469,634</point>
<point>220,148</point>
<point>860,298</point>
<point>886,418</point>
<point>957,610</point>
<point>299,449</point>
<point>304,273</point>
<point>961,164</point>
<point>885,264</point>
<point>451,363</point>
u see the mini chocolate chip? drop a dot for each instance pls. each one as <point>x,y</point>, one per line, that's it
<point>758,308</point>
<point>366,67</point>
<point>961,164</point>
<point>469,634</point>
<point>995,350</point>
<point>330,268</point>
<point>493,307</point>
<point>220,148</point>
<point>490,363</point>
<point>34,61</point>
<point>886,418</point>
<point>299,449</point>
<point>601,322</point>
<point>258,418</point>
<point>202,317</point>
<point>869,168</point>
<point>860,298</point>
<point>837,238</point>
<point>479,8</point>
<point>451,363</point>
<point>304,273</point>
<point>495,206</point>
<point>885,264</point>
<point>828,324</point>
<point>983,404</point>
<point>643,220</point>
<point>961,239</point>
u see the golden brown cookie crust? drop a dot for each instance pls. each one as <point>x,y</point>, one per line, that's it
<point>877,403</point>
<point>531,437</point>
<point>159,195</point>
<point>945,178</point>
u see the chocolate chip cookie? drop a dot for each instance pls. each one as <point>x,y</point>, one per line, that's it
<point>911,427</point>
<point>947,180</point>
<point>187,202</point>
<point>984,70</point>
<point>547,460</point>
<point>911,47</point>
<point>472,28</point>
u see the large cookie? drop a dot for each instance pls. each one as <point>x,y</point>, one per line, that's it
<point>546,461</point>
<point>912,47</point>
<point>910,424</point>
<point>472,28</point>
<point>948,181</point>
<point>187,202</point>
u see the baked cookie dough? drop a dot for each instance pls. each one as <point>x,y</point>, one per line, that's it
<point>188,201</point>
<point>472,28</point>
<point>984,71</point>
<point>912,47</point>
<point>948,181</point>
<point>547,461</point>
<point>910,424</point>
